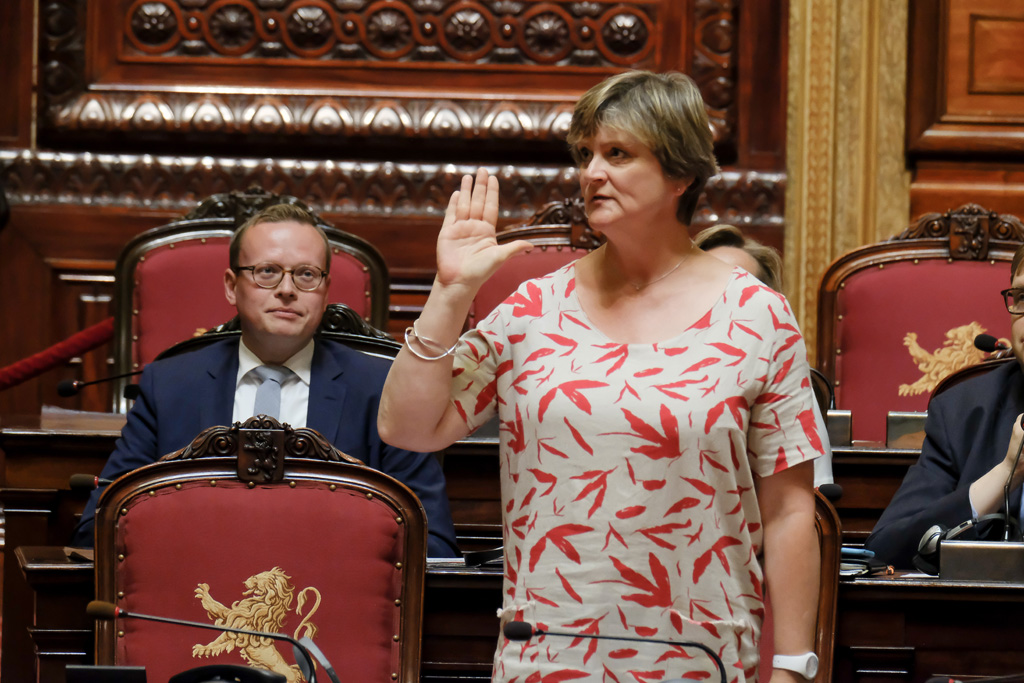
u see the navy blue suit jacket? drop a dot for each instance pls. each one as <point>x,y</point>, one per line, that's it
<point>183,395</point>
<point>966,434</point>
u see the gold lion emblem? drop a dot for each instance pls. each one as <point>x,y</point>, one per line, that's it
<point>958,351</point>
<point>268,599</point>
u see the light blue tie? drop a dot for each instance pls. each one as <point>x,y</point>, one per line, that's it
<point>268,394</point>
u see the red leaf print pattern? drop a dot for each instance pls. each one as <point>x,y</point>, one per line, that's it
<point>810,427</point>
<point>621,351</point>
<point>718,550</point>
<point>736,404</point>
<point>572,391</point>
<point>529,305</point>
<point>656,591</point>
<point>739,354</point>
<point>662,445</point>
<point>599,484</point>
<point>653,533</point>
<point>578,437</point>
<point>568,587</point>
<point>570,344</point>
<point>558,537</point>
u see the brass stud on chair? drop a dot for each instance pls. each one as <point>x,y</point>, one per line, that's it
<point>398,602</point>
<point>202,240</point>
<point>213,482</point>
<point>394,677</point>
<point>398,520</point>
<point>292,484</point>
<point>171,245</point>
<point>398,565</point>
<point>394,638</point>
<point>251,484</point>
<point>152,493</point>
<point>333,487</point>
<point>120,595</point>
<point>124,511</point>
<point>120,557</point>
<point>177,487</point>
<point>369,496</point>
<point>120,634</point>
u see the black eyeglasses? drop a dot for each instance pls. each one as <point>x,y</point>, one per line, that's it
<point>269,275</point>
<point>1014,298</point>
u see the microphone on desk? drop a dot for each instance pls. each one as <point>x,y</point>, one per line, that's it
<point>304,649</point>
<point>86,482</point>
<point>832,492</point>
<point>989,344</point>
<point>524,630</point>
<point>71,387</point>
<point>1006,488</point>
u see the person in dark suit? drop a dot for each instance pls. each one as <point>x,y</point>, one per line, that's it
<point>972,435</point>
<point>278,280</point>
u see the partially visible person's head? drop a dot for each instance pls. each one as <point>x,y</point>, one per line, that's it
<point>727,243</point>
<point>1017,320</point>
<point>279,319</point>
<point>666,112</point>
<point>277,213</point>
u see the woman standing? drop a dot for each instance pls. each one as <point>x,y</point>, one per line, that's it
<point>655,409</point>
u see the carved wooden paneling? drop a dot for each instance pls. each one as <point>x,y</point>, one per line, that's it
<point>966,84</point>
<point>312,70</point>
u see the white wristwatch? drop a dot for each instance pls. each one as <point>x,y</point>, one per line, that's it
<point>806,664</point>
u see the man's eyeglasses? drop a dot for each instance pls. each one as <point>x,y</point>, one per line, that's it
<point>269,275</point>
<point>1014,298</point>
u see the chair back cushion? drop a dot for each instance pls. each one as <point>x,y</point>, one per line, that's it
<point>903,326</point>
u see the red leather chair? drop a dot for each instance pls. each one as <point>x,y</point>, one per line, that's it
<point>560,235</point>
<point>826,522</point>
<point>170,280</point>
<point>265,528</point>
<point>895,317</point>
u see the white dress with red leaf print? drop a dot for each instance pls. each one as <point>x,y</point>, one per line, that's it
<point>628,477</point>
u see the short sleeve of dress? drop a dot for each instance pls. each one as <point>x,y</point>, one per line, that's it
<point>783,430</point>
<point>475,371</point>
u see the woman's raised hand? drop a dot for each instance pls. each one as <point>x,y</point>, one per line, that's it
<point>467,251</point>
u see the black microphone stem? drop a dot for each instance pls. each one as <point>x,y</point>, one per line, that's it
<point>700,646</point>
<point>213,627</point>
<point>1006,488</point>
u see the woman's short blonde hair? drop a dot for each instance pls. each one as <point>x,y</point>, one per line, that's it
<point>666,112</point>
<point>768,259</point>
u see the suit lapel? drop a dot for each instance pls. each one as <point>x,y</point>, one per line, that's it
<point>326,393</point>
<point>216,400</point>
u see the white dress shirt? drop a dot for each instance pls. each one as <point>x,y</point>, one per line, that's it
<point>294,390</point>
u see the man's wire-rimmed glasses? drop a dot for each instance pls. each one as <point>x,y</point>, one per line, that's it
<point>269,275</point>
<point>1014,298</point>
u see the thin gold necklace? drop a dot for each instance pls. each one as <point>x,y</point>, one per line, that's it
<point>662,277</point>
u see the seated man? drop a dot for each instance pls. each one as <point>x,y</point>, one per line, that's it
<point>278,280</point>
<point>971,439</point>
<point>727,243</point>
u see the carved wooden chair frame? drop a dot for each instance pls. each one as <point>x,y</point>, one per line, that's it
<point>218,217</point>
<point>829,528</point>
<point>263,452</point>
<point>968,233</point>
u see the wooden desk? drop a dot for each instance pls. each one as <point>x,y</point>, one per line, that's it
<point>889,628</point>
<point>39,454</point>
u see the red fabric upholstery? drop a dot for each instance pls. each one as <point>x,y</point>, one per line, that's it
<point>878,307</point>
<point>175,540</point>
<point>514,272</point>
<point>179,292</point>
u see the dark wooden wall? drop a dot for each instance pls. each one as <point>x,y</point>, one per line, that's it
<point>965,104</point>
<point>132,111</point>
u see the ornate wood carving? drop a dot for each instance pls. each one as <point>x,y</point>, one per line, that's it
<point>104,75</point>
<point>338,188</point>
<point>261,444</point>
<point>969,230</point>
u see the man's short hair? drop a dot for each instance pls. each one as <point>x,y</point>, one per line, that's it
<point>278,213</point>
<point>1018,261</point>
<point>768,259</point>
<point>666,112</point>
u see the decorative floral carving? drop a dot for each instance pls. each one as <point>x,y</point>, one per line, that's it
<point>154,23</point>
<point>507,7</point>
<point>309,27</point>
<point>232,26</point>
<point>428,5</point>
<point>625,34</point>
<point>586,9</point>
<point>389,30</point>
<point>467,30</point>
<point>547,33</point>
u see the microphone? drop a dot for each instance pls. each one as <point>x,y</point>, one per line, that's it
<point>71,387</point>
<point>989,344</point>
<point>524,630</point>
<point>1006,488</point>
<point>832,492</point>
<point>86,482</point>
<point>99,609</point>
